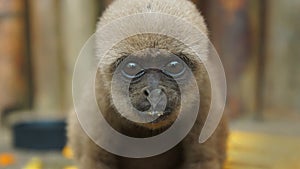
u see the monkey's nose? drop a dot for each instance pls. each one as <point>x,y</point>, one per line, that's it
<point>157,99</point>
<point>154,97</point>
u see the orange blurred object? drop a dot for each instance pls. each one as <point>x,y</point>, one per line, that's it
<point>70,167</point>
<point>6,159</point>
<point>67,153</point>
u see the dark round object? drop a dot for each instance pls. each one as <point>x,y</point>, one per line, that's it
<point>40,135</point>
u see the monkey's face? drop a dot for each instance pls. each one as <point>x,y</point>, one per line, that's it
<point>153,78</point>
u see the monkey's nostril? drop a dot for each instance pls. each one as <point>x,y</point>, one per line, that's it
<point>146,92</point>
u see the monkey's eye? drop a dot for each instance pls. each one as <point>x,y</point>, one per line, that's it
<point>174,69</point>
<point>132,70</point>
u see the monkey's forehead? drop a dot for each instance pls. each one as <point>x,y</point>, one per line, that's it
<point>150,45</point>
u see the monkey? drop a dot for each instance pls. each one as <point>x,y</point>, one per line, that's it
<point>153,92</point>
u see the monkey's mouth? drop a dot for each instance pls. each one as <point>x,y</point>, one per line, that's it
<point>158,116</point>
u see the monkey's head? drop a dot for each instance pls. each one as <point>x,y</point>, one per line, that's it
<point>150,85</point>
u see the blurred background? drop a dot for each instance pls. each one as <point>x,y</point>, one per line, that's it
<point>258,42</point>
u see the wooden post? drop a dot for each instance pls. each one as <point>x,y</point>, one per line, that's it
<point>261,78</point>
<point>77,23</point>
<point>233,32</point>
<point>45,57</point>
<point>13,62</point>
<point>282,92</point>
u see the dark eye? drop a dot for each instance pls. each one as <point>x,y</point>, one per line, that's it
<point>174,68</point>
<point>132,70</point>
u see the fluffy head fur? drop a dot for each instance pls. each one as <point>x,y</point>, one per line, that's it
<point>181,8</point>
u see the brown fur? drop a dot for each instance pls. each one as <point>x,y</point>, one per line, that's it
<point>188,154</point>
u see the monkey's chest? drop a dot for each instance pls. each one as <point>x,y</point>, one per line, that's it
<point>171,159</point>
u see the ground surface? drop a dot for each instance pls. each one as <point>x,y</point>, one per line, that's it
<point>252,145</point>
